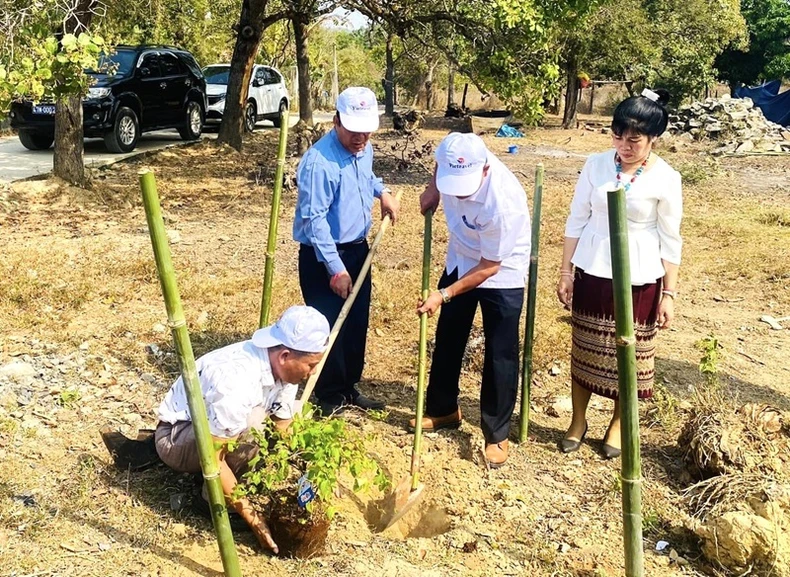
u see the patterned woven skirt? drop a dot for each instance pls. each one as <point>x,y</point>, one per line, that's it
<point>594,350</point>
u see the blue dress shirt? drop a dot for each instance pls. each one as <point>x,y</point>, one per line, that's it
<point>336,191</point>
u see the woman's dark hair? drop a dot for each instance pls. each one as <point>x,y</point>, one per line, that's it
<point>641,115</point>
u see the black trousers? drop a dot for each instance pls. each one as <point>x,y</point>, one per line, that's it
<point>343,368</point>
<point>501,313</point>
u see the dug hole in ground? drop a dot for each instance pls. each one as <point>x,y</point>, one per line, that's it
<point>83,343</point>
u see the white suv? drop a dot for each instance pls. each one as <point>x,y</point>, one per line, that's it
<point>267,95</point>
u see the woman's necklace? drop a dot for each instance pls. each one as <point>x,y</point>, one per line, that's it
<point>618,162</point>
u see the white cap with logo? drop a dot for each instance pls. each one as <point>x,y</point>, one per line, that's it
<point>358,109</point>
<point>460,159</point>
<point>300,328</point>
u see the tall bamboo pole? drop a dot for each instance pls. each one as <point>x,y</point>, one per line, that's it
<point>274,220</point>
<point>532,293</point>
<point>186,360</point>
<point>422,362</point>
<point>631,472</point>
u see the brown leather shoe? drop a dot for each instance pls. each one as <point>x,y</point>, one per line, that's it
<point>431,424</point>
<point>496,454</point>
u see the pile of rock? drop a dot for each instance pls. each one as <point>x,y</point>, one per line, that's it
<point>736,123</point>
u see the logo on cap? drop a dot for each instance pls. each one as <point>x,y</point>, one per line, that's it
<point>461,164</point>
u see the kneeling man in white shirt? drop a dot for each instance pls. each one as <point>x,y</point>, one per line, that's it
<point>487,264</point>
<point>243,384</point>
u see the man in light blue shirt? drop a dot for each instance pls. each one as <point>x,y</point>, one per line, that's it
<point>336,187</point>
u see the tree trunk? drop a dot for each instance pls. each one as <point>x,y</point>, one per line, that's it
<point>463,100</point>
<point>303,69</point>
<point>68,162</point>
<point>571,92</point>
<point>450,85</point>
<point>389,80</point>
<point>429,87</point>
<point>248,40</point>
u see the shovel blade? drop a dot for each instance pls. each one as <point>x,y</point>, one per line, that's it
<point>400,501</point>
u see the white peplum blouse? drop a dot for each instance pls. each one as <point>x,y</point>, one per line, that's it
<point>654,206</point>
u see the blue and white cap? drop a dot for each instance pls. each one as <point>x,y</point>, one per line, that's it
<point>460,159</point>
<point>300,328</point>
<point>358,109</point>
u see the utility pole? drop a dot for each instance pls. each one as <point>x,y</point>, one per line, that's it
<point>335,89</point>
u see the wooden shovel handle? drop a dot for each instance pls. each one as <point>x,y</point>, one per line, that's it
<point>308,389</point>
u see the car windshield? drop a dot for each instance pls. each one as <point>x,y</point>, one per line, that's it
<point>119,63</point>
<point>216,74</point>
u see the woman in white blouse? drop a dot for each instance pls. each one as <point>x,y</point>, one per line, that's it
<point>655,207</point>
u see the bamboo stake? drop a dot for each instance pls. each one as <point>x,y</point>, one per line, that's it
<point>631,473</point>
<point>186,359</point>
<point>311,382</point>
<point>422,363</point>
<point>532,293</point>
<point>274,220</point>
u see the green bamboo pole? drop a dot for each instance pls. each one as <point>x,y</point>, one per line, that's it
<point>631,472</point>
<point>274,219</point>
<point>186,359</point>
<point>532,294</point>
<point>422,364</point>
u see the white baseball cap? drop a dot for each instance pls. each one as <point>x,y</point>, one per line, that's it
<point>300,328</point>
<point>358,109</point>
<point>460,159</point>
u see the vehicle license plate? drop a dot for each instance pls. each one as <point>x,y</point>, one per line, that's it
<point>44,109</point>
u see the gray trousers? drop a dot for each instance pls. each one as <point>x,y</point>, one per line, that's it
<point>177,446</point>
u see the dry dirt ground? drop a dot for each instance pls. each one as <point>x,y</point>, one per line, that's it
<point>82,327</point>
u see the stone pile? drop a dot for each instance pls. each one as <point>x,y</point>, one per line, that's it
<point>735,123</point>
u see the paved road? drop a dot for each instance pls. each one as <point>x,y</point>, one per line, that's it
<point>17,162</point>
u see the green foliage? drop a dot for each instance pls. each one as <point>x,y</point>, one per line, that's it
<point>41,68</point>
<point>768,54</point>
<point>321,449</point>
<point>68,397</point>
<point>709,363</point>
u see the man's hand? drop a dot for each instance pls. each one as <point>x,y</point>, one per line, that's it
<point>262,533</point>
<point>431,304</point>
<point>341,284</point>
<point>389,206</point>
<point>429,200</point>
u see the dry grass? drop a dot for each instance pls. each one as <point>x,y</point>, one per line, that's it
<point>77,270</point>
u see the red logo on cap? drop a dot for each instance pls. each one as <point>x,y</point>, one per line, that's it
<point>460,161</point>
<point>362,103</point>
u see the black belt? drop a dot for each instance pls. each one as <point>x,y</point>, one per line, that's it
<point>343,245</point>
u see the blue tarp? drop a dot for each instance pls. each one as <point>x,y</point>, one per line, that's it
<point>775,106</point>
<point>508,131</point>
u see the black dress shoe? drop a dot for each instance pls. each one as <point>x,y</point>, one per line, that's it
<point>201,508</point>
<point>570,446</point>
<point>329,409</point>
<point>610,452</point>
<point>132,454</point>
<point>363,402</point>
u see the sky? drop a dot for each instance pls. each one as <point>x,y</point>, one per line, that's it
<point>349,20</point>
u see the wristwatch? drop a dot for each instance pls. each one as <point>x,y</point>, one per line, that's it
<point>445,295</point>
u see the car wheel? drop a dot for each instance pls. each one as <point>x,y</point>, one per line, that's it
<point>124,133</point>
<point>250,116</point>
<point>193,122</point>
<point>283,108</point>
<point>36,140</point>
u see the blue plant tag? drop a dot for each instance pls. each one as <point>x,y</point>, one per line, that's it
<point>305,493</point>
